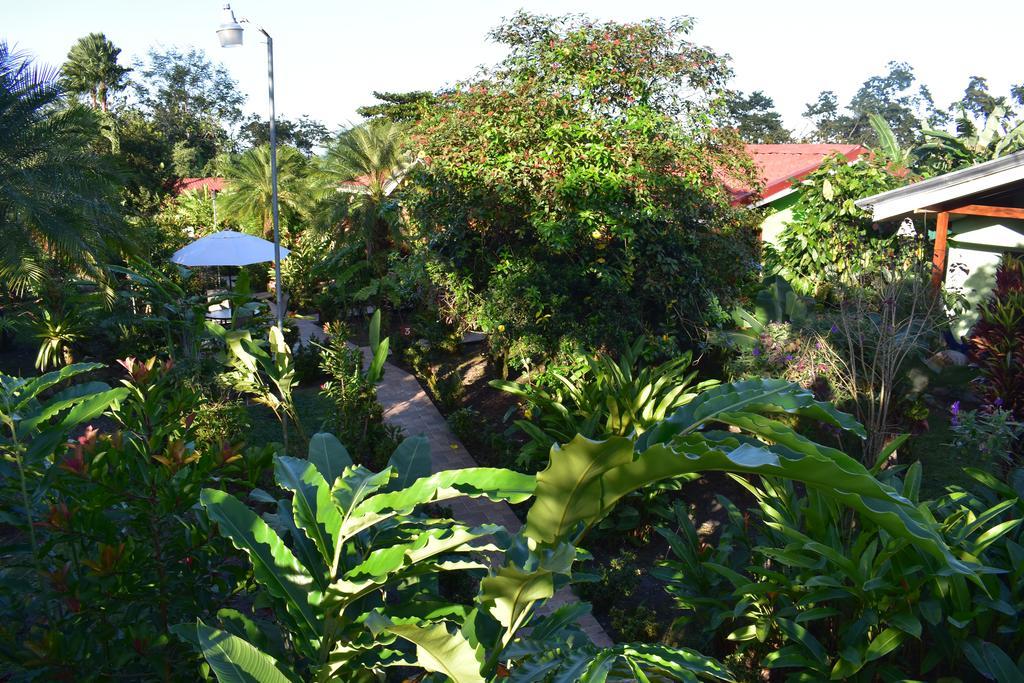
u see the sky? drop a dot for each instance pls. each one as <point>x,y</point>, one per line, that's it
<point>331,56</point>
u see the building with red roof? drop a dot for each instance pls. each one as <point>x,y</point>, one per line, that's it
<point>212,184</point>
<point>780,169</point>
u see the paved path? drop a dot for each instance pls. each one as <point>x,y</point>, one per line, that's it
<point>408,406</point>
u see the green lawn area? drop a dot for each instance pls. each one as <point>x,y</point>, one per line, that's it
<point>314,409</point>
<point>943,464</point>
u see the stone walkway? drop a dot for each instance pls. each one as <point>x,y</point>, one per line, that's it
<point>408,406</point>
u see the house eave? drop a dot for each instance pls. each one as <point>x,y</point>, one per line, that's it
<point>963,183</point>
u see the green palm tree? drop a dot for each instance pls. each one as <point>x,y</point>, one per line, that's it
<point>247,200</point>
<point>92,69</point>
<point>57,196</point>
<point>359,177</point>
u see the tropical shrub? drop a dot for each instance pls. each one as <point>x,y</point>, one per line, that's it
<point>998,337</point>
<point>798,585</point>
<point>358,417</point>
<point>361,173</point>
<point>973,142</point>
<point>830,241</point>
<point>575,186</point>
<point>119,554</point>
<point>158,312</point>
<point>599,396</point>
<point>992,436</point>
<point>348,566</point>
<point>264,372</point>
<point>779,336</point>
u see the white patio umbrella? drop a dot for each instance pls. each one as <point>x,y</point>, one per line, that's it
<point>227,248</point>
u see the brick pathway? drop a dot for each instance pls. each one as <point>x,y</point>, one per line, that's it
<point>407,405</point>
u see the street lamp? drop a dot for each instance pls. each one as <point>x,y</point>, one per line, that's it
<point>230,35</point>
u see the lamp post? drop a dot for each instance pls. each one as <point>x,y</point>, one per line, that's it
<point>230,35</point>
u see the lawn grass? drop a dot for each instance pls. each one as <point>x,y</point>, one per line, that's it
<point>315,410</point>
<point>943,465</point>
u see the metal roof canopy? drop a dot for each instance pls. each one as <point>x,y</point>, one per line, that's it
<point>990,177</point>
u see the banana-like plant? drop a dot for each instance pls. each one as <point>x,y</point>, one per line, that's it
<point>604,397</point>
<point>972,146</point>
<point>264,372</point>
<point>351,560</point>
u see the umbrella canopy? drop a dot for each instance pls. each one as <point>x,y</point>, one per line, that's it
<point>227,248</point>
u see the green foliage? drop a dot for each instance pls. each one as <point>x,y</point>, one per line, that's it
<point>264,372</point>
<point>573,186</point>
<point>894,96</point>
<point>59,331</point>
<point>992,437</point>
<point>354,542</point>
<point>57,196</point>
<point>359,176</point>
<point>121,555</point>
<point>830,242</point>
<point>776,302</point>
<point>358,417</point>
<point>346,566</point>
<point>797,584</point>
<point>160,305</point>
<point>247,201</point>
<point>303,133</point>
<point>189,100</point>
<point>92,69</point>
<point>755,119</point>
<point>943,151</point>
<point>600,396</point>
<point>398,107</point>
<point>998,336</point>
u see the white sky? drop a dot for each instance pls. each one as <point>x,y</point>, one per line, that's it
<point>330,56</point>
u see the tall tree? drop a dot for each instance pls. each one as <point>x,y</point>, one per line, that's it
<point>247,201</point>
<point>57,196</point>
<point>369,161</point>
<point>398,107</point>
<point>303,133</point>
<point>894,96</point>
<point>191,101</point>
<point>92,69</point>
<point>755,119</point>
<point>575,186</point>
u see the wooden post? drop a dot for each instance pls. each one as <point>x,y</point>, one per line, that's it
<point>939,255</point>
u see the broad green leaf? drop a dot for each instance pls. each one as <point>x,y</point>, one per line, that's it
<point>36,385</point>
<point>884,643</point>
<point>235,660</point>
<point>329,456</point>
<point>411,460</point>
<point>585,478</point>
<point>675,661</point>
<point>755,395</point>
<point>1003,669</point>
<point>312,505</point>
<point>493,483</point>
<point>510,594</point>
<point>273,563</point>
<point>437,649</point>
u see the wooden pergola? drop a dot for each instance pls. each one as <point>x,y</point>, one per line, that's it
<point>942,230</point>
<point>993,189</point>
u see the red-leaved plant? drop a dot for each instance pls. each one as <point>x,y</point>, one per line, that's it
<point>997,339</point>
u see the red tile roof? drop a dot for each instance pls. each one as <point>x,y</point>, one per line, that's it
<point>214,184</point>
<point>778,165</point>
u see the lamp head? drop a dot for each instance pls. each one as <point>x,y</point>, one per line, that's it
<point>230,31</point>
